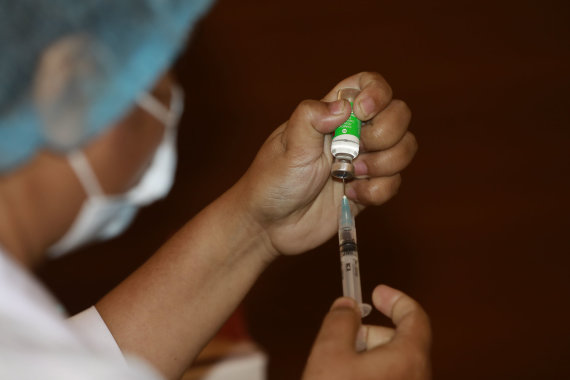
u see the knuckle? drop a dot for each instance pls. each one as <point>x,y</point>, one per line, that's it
<point>402,108</point>
<point>391,188</point>
<point>373,194</point>
<point>377,133</point>
<point>380,191</point>
<point>410,145</point>
<point>404,307</point>
<point>305,108</point>
<point>372,76</point>
<point>395,185</point>
<point>377,80</point>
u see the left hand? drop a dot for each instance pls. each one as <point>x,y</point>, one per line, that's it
<point>288,188</point>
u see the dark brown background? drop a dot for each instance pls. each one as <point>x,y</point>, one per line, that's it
<point>478,232</point>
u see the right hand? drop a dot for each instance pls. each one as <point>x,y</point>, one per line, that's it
<point>400,353</point>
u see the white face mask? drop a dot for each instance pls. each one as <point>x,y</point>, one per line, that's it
<point>103,217</point>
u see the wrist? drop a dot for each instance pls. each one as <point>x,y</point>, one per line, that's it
<point>237,204</point>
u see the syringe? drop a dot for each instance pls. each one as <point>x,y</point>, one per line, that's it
<point>349,257</point>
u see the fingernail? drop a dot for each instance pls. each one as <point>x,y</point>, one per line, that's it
<point>366,106</point>
<point>337,107</point>
<point>344,302</point>
<point>360,168</point>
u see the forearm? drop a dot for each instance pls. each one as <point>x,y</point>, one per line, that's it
<point>170,307</point>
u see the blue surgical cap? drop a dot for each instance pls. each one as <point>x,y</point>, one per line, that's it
<point>69,68</point>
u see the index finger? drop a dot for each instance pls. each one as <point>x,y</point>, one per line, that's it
<point>412,322</point>
<point>337,335</point>
<point>375,93</point>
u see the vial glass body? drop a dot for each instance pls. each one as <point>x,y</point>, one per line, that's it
<point>346,139</point>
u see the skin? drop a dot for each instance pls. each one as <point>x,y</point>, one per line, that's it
<point>31,197</point>
<point>173,304</point>
<point>399,353</point>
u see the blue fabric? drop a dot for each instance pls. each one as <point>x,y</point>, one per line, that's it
<point>69,68</point>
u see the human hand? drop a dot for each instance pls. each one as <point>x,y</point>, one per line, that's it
<point>400,353</point>
<point>288,189</point>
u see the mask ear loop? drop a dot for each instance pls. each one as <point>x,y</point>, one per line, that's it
<point>79,162</point>
<point>84,172</point>
<point>151,105</point>
<point>168,117</point>
<point>176,104</point>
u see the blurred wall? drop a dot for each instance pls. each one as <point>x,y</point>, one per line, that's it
<point>477,233</point>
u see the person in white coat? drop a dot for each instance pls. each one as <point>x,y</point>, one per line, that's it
<point>82,148</point>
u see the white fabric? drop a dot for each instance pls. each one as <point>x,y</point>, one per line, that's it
<point>37,342</point>
<point>92,329</point>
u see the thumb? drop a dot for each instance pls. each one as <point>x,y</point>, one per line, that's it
<point>339,329</point>
<point>310,121</point>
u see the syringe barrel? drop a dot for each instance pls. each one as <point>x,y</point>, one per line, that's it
<point>350,271</point>
<point>349,257</point>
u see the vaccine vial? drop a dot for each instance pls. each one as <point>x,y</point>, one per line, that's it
<point>346,139</point>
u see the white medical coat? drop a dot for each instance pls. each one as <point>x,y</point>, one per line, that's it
<point>37,341</point>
